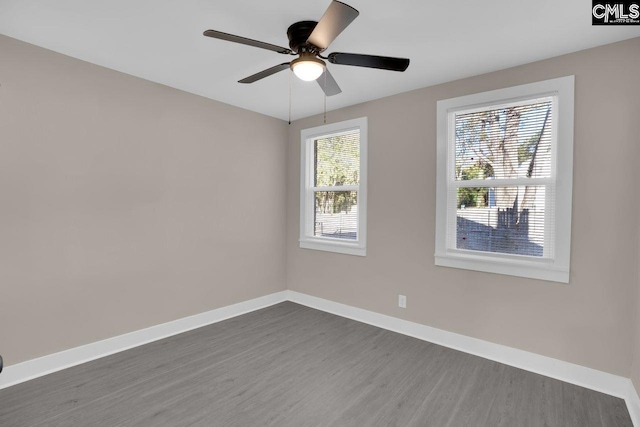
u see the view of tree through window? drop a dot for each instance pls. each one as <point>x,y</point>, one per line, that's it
<point>502,157</point>
<point>337,178</point>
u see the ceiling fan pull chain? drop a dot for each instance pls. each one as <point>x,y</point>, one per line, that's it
<point>289,97</point>
<point>324,92</point>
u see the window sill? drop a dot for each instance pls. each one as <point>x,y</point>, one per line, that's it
<point>532,270</point>
<point>337,247</point>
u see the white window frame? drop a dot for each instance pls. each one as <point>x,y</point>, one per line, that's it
<point>555,268</point>
<point>307,199</point>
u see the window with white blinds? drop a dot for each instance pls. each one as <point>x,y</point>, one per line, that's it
<point>504,180</point>
<point>333,188</point>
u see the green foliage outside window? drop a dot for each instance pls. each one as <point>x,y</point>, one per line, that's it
<point>474,196</point>
<point>337,163</point>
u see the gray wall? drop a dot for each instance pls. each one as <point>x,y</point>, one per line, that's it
<point>635,365</point>
<point>590,320</point>
<point>125,204</point>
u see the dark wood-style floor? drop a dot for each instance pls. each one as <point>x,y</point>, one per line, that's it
<point>290,365</point>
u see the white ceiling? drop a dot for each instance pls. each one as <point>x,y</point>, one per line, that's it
<point>161,41</point>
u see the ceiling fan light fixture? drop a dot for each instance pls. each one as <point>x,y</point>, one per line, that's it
<point>307,67</point>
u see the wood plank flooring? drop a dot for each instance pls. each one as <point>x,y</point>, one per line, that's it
<point>290,365</point>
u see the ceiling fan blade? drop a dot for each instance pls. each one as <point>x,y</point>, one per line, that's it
<point>265,73</point>
<point>328,83</point>
<point>249,42</point>
<point>369,61</point>
<point>337,17</point>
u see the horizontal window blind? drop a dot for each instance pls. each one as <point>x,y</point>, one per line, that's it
<point>336,214</point>
<point>337,177</point>
<point>502,180</point>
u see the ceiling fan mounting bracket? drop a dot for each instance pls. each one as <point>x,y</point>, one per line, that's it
<point>298,34</point>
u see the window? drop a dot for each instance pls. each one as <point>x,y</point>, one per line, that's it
<point>504,178</point>
<point>333,187</point>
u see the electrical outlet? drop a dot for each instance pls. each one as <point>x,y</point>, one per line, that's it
<point>402,301</point>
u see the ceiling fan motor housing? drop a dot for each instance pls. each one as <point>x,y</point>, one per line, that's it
<point>298,34</point>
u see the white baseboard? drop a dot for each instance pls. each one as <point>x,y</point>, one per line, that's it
<point>633,404</point>
<point>20,372</point>
<point>593,379</point>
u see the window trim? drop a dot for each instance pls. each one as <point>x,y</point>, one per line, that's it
<point>307,204</point>
<point>555,269</point>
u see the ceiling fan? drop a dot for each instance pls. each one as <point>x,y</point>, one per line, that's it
<point>307,40</point>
